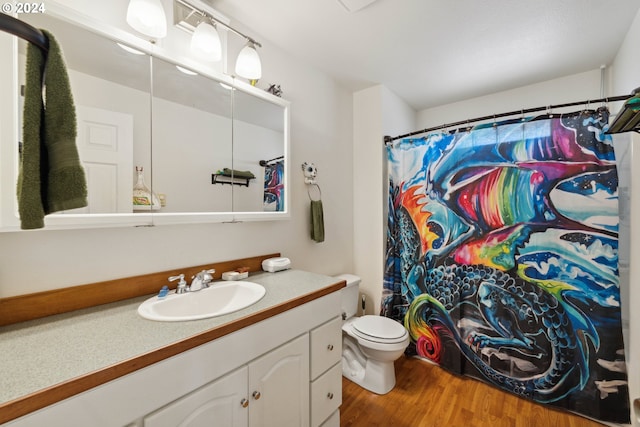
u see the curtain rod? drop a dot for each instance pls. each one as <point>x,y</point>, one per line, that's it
<point>23,30</point>
<point>274,160</point>
<point>389,139</point>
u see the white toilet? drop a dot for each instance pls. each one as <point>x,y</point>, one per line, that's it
<point>370,344</point>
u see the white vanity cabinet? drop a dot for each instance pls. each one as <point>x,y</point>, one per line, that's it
<point>271,391</point>
<point>292,359</point>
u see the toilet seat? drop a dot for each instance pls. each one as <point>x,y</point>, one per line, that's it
<point>378,329</point>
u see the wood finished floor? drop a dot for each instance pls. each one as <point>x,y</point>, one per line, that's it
<point>427,396</point>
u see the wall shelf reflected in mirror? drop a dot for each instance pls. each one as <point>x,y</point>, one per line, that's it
<point>218,178</point>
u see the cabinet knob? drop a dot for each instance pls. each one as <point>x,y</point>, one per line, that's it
<point>244,403</point>
<point>330,395</point>
<point>330,347</point>
<point>256,395</point>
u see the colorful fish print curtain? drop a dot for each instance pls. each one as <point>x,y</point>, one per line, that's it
<point>274,186</point>
<point>502,258</point>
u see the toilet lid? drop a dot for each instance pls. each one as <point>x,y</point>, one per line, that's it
<point>379,328</point>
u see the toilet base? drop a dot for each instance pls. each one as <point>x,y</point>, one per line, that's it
<point>373,375</point>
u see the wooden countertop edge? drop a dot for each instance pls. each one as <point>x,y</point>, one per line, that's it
<point>32,402</point>
<point>22,308</point>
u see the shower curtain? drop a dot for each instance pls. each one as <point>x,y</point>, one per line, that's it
<point>502,258</point>
<point>274,187</point>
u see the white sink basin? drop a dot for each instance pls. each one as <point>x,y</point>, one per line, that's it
<point>220,298</point>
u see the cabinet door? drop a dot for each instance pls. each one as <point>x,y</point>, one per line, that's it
<point>218,404</point>
<point>279,386</point>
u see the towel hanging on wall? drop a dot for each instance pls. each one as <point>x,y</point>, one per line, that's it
<point>51,177</point>
<point>317,216</point>
<point>317,221</point>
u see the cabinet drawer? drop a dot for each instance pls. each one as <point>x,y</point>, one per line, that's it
<point>326,346</point>
<point>326,395</point>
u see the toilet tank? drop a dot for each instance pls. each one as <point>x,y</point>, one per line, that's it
<point>349,295</point>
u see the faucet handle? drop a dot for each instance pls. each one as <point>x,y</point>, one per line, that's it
<point>182,284</point>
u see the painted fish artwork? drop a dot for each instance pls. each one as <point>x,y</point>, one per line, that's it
<point>502,258</point>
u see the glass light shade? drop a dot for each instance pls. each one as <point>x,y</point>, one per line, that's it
<point>248,64</point>
<point>205,42</point>
<point>147,17</point>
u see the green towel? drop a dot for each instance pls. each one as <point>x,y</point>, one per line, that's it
<point>238,174</point>
<point>317,221</point>
<point>51,177</point>
<point>30,191</point>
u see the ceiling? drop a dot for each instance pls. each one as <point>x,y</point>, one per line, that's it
<point>434,52</point>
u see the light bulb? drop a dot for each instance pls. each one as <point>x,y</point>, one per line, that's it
<point>205,42</point>
<point>248,64</point>
<point>147,17</point>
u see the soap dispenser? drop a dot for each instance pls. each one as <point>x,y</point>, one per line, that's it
<point>143,198</point>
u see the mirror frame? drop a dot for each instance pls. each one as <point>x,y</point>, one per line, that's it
<point>10,130</point>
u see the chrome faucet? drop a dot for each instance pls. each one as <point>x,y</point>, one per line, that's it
<point>201,280</point>
<point>198,282</point>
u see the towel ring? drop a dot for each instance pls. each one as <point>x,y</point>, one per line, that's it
<point>309,192</point>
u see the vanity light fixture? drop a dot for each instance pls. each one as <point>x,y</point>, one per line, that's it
<point>205,41</point>
<point>248,64</point>
<point>203,22</point>
<point>147,17</point>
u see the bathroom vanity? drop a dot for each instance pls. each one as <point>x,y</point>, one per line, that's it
<point>275,363</point>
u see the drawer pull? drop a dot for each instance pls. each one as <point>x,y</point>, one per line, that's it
<point>330,347</point>
<point>244,403</point>
<point>330,395</point>
<point>256,395</point>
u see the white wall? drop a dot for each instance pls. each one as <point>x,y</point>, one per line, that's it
<point>576,87</point>
<point>321,117</point>
<point>626,65</point>
<point>377,112</point>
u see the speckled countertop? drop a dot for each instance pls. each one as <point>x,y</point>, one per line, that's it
<point>41,353</point>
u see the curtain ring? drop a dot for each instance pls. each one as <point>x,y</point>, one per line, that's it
<point>319,192</point>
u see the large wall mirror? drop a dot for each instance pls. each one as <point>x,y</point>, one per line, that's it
<point>209,149</point>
